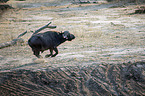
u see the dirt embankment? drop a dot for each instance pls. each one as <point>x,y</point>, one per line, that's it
<point>95,80</point>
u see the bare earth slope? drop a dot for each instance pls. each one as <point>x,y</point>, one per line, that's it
<point>106,58</point>
<point>95,80</point>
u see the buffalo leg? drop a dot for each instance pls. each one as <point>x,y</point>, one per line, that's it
<point>56,52</point>
<point>48,55</point>
<point>36,53</point>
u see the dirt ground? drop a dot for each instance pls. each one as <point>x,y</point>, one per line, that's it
<point>105,33</point>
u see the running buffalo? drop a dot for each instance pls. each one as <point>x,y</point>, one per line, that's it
<point>48,40</point>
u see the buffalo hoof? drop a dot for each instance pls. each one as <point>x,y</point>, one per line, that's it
<point>48,55</point>
<point>53,55</point>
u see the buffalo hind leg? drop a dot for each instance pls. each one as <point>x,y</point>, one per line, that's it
<point>56,52</point>
<point>48,55</point>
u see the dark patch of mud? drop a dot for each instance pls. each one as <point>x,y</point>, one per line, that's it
<point>95,80</point>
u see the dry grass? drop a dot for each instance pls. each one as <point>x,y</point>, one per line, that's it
<point>95,32</point>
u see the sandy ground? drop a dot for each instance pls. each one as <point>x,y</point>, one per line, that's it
<point>104,34</point>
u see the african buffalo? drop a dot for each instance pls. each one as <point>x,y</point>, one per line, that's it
<point>48,40</point>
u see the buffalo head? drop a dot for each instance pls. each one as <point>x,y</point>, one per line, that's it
<point>68,36</point>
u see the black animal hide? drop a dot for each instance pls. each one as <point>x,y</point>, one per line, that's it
<point>48,40</point>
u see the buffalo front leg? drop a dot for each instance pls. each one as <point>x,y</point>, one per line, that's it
<point>48,55</point>
<point>56,52</point>
<point>36,53</point>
